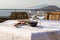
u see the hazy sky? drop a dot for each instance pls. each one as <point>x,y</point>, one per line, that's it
<point>26,3</point>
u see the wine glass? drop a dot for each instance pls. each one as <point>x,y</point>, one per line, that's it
<point>41,17</point>
<point>34,18</point>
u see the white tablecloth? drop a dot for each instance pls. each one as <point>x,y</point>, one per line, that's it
<point>49,24</point>
<point>8,33</point>
<point>28,33</point>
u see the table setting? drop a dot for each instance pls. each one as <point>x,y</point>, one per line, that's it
<point>38,22</point>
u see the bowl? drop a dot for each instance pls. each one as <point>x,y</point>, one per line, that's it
<point>33,23</point>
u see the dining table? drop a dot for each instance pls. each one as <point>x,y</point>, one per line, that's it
<point>48,30</point>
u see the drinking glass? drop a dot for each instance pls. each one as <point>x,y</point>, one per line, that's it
<point>40,19</point>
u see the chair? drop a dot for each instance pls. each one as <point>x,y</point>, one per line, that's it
<point>19,16</point>
<point>53,16</point>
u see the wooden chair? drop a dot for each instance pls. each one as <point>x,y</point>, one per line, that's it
<point>13,16</point>
<point>53,16</point>
<point>19,16</point>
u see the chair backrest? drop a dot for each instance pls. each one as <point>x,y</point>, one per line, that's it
<point>53,16</point>
<point>13,16</point>
<point>19,15</point>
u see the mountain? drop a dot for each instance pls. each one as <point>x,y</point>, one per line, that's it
<point>47,8</point>
<point>38,6</point>
<point>50,8</point>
